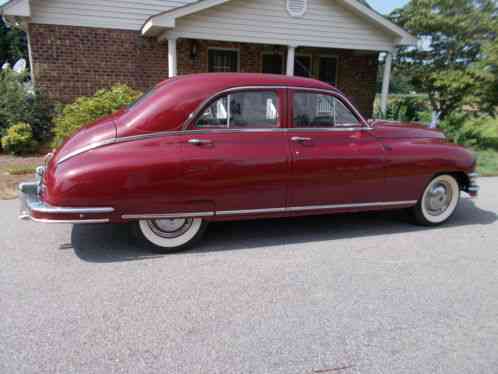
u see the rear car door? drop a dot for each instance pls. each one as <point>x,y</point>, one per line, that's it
<point>235,153</point>
<point>335,158</point>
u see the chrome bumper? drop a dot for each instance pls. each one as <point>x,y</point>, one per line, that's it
<point>32,205</point>
<point>472,188</point>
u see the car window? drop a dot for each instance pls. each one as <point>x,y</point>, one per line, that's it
<point>321,110</point>
<point>248,109</point>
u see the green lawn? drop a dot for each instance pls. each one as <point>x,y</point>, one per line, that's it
<point>487,162</point>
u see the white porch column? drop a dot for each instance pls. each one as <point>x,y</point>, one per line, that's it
<point>291,55</point>
<point>385,81</point>
<point>172,60</point>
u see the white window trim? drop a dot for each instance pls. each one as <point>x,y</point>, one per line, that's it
<point>336,84</point>
<point>225,49</point>
<point>272,54</point>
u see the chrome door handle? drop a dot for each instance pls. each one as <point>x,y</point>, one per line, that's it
<point>300,139</point>
<point>199,141</point>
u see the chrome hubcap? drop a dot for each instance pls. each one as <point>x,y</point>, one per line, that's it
<point>170,228</point>
<point>438,198</point>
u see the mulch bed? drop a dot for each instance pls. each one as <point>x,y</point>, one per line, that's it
<point>8,183</point>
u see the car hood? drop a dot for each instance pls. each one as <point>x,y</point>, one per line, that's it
<point>391,129</point>
<point>102,130</point>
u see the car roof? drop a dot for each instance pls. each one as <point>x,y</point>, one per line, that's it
<point>169,104</point>
<point>220,81</point>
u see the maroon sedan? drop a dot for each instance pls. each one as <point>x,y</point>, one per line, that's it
<point>214,147</point>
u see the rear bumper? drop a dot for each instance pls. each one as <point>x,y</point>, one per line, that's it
<point>33,208</point>
<point>472,187</point>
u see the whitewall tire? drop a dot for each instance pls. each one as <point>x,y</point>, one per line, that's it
<point>170,235</point>
<point>438,202</point>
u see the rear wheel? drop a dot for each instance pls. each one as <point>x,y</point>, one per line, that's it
<point>170,235</point>
<point>439,201</point>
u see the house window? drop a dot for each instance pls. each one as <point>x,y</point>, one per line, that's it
<point>302,66</point>
<point>223,61</point>
<point>328,69</point>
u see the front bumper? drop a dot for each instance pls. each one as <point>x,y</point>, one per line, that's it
<point>33,208</point>
<point>472,188</point>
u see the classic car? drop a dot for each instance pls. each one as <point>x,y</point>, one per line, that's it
<point>214,147</point>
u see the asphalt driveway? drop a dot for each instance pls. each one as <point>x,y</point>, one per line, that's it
<point>346,294</point>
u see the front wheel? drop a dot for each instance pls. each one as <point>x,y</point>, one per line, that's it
<point>170,235</point>
<point>439,201</point>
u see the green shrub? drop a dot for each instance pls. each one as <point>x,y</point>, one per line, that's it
<point>20,104</point>
<point>87,109</point>
<point>480,132</point>
<point>19,139</point>
<point>404,108</point>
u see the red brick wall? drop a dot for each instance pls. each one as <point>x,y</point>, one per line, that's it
<point>75,61</point>
<point>357,72</point>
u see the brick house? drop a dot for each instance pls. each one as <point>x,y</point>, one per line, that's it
<point>77,47</point>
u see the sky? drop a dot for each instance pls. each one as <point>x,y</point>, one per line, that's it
<point>385,6</point>
<point>381,6</point>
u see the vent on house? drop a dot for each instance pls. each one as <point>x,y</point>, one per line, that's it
<point>297,8</point>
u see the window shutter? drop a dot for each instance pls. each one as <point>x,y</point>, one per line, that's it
<point>297,8</point>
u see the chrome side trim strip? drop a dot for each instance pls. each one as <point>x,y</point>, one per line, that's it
<point>42,208</point>
<point>251,211</point>
<point>174,215</point>
<point>341,206</point>
<point>70,221</point>
<point>86,149</point>
<point>269,210</point>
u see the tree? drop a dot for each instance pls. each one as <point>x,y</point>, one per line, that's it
<point>13,44</point>
<point>450,62</point>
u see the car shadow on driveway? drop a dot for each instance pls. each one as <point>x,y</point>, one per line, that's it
<point>113,243</point>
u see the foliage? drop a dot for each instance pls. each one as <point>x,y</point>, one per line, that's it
<point>13,44</point>
<point>487,162</point>
<point>456,56</point>
<point>405,108</point>
<point>19,139</point>
<point>87,109</point>
<point>21,169</point>
<point>481,132</point>
<point>18,104</point>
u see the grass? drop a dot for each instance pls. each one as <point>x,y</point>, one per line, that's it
<point>487,162</point>
<point>21,169</point>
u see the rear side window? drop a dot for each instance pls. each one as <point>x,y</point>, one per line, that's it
<point>242,110</point>
<point>321,110</point>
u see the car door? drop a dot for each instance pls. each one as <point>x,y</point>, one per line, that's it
<point>335,158</point>
<point>235,153</point>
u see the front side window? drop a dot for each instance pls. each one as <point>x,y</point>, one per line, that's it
<point>321,110</point>
<point>249,109</point>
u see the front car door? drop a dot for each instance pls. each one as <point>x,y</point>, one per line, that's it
<point>235,153</point>
<point>335,158</point>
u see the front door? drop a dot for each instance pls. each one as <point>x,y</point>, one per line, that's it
<point>335,159</point>
<point>235,154</point>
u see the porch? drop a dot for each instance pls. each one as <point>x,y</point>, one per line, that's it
<point>335,41</point>
<point>353,72</point>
